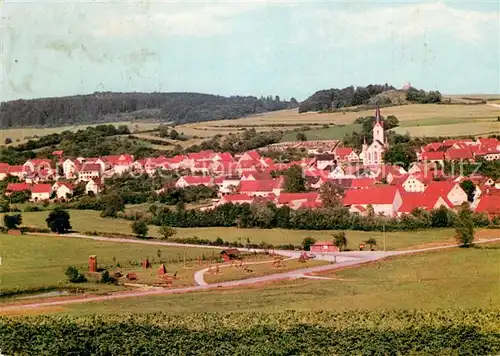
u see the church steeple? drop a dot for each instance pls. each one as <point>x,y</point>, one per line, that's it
<point>378,128</point>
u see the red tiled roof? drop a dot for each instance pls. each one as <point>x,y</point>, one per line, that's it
<point>323,243</point>
<point>343,151</point>
<point>311,205</point>
<point>218,180</point>
<point>362,182</point>
<point>432,156</point>
<point>41,188</point>
<point>68,185</point>
<point>374,195</point>
<point>118,159</point>
<point>247,163</point>
<point>434,146</point>
<point>257,175</point>
<point>440,187</point>
<point>225,156</point>
<point>488,141</point>
<point>286,198</point>
<point>57,153</point>
<point>489,204</point>
<point>458,153</point>
<point>260,185</point>
<point>254,155</point>
<point>426,201</point>
<point>17,187</point>
<point>197,179</point>
<point>91,167</point>
<point>16,169</point>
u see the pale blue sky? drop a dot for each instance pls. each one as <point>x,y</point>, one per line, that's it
<point>249,48</point>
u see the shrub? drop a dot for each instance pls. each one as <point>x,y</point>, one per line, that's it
<point>167,231</point>
<point>140,228</point>
<point>307,243</point>
<point>74,276</point>
<point>12,221</point>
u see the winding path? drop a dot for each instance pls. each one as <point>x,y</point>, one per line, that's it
<point>343,259</point>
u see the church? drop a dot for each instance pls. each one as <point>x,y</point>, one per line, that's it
<point>373,155</point>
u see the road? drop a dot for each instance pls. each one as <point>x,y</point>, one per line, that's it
<point>343,259</point>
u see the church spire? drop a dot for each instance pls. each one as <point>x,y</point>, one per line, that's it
<point>377,115</point>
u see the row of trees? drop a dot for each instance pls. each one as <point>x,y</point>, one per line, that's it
<point>333,218</point>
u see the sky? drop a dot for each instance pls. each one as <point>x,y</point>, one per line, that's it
<point>285,48</point>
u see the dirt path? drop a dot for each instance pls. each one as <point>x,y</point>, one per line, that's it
<point>344,259</point>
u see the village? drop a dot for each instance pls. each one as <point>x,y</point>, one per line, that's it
<point>251,177</point>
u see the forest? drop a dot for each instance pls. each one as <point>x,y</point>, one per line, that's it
<point>332,99</point>
<point>112,107</point>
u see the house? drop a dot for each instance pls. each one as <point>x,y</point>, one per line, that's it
<point>3,170</point>
<point>384,199</point>
<point>489,204</point>
<point>437,157</point>
<point>229,254</point>
<point>71,168</point>
<point>447,189</point>
<point>362,183</point>
<point>295,200</point>
<point>433,147</point>
<point>57,153</point>
<point>201,167</point>
<point>255,175</point>
<point>223,167</point>
<point>93,187</point>
<point>324,160</point>
<point>37,164</point>
<point>119,163</point>
<point>261,188</point>
<point>17,187</point>
<point>323,246</point>
<point>90,171</point>
<point>41,192</point>
<point>63,190</point>
<point>458,154</point>
<point>250,156</point>
<point>414,200</point>
<point>346,154</point>
<point>410,183</point>
<point>18,171</point>
<point>190,181</point>
<point>229,184</point>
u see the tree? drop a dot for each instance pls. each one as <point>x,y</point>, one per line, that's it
<point>371,242</point>
<point>8,141</point>
<point>340,240</point>
<point>391,122</point>
<point>74,276</point>
<point>307,243</point>
<point>59,221</point>
<point>12,222</point>
<point>294,180</point>
<point>174,134</point>
<point>440,217</point>
<point>140,228</point>
<point>301,136</point>
<point>167,231</point>
<point>111,205</point>
<point>401,154</point>
<point>469,188</point>
<point>464,226</point>
<point>331,194</point>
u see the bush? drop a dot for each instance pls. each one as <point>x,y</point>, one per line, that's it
<point>307,243</point>
<point>30,208</point>
<point>140,228</point>
<point>12,221</point>
<point>74,276</point>
<point>59,221</point>
<point>167,231</point>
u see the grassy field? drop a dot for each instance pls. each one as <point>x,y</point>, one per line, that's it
<point>331,133</point>
<point>36,261</point>
<point>476,128</point>
<point>89,220</point>
<point>457,278</point>
<point>234,272</point>
<point>22,133</point>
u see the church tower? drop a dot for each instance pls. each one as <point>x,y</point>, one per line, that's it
<point>378,128</point>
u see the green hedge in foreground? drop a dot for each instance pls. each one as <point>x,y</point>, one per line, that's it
<point>445,332</point>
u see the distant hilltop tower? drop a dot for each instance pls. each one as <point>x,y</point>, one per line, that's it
<point>407,86</point>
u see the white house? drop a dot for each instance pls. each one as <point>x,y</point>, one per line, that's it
<point>89,171</point>
<point>384,199</point>
<point>63,190</point>
<point>93,187</point>
<point>41,192</point>
<point>451,190</point>
<point>324,160</point>
<point>413,184</point>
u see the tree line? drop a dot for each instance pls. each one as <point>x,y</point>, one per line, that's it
<point>109,106</point>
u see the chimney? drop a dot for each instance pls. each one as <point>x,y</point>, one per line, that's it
<point>92,263</point>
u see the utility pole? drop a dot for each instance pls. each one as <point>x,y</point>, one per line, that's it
<point>384,236</point>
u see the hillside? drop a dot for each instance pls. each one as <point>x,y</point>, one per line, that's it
<point>366,98</point>
<point>111,107</point>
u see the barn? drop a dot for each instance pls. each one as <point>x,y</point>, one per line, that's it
<point>229,254</point>
<point>324,246</point>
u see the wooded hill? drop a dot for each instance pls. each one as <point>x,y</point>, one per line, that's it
<point>371,95</point>
<point>112,107</point>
